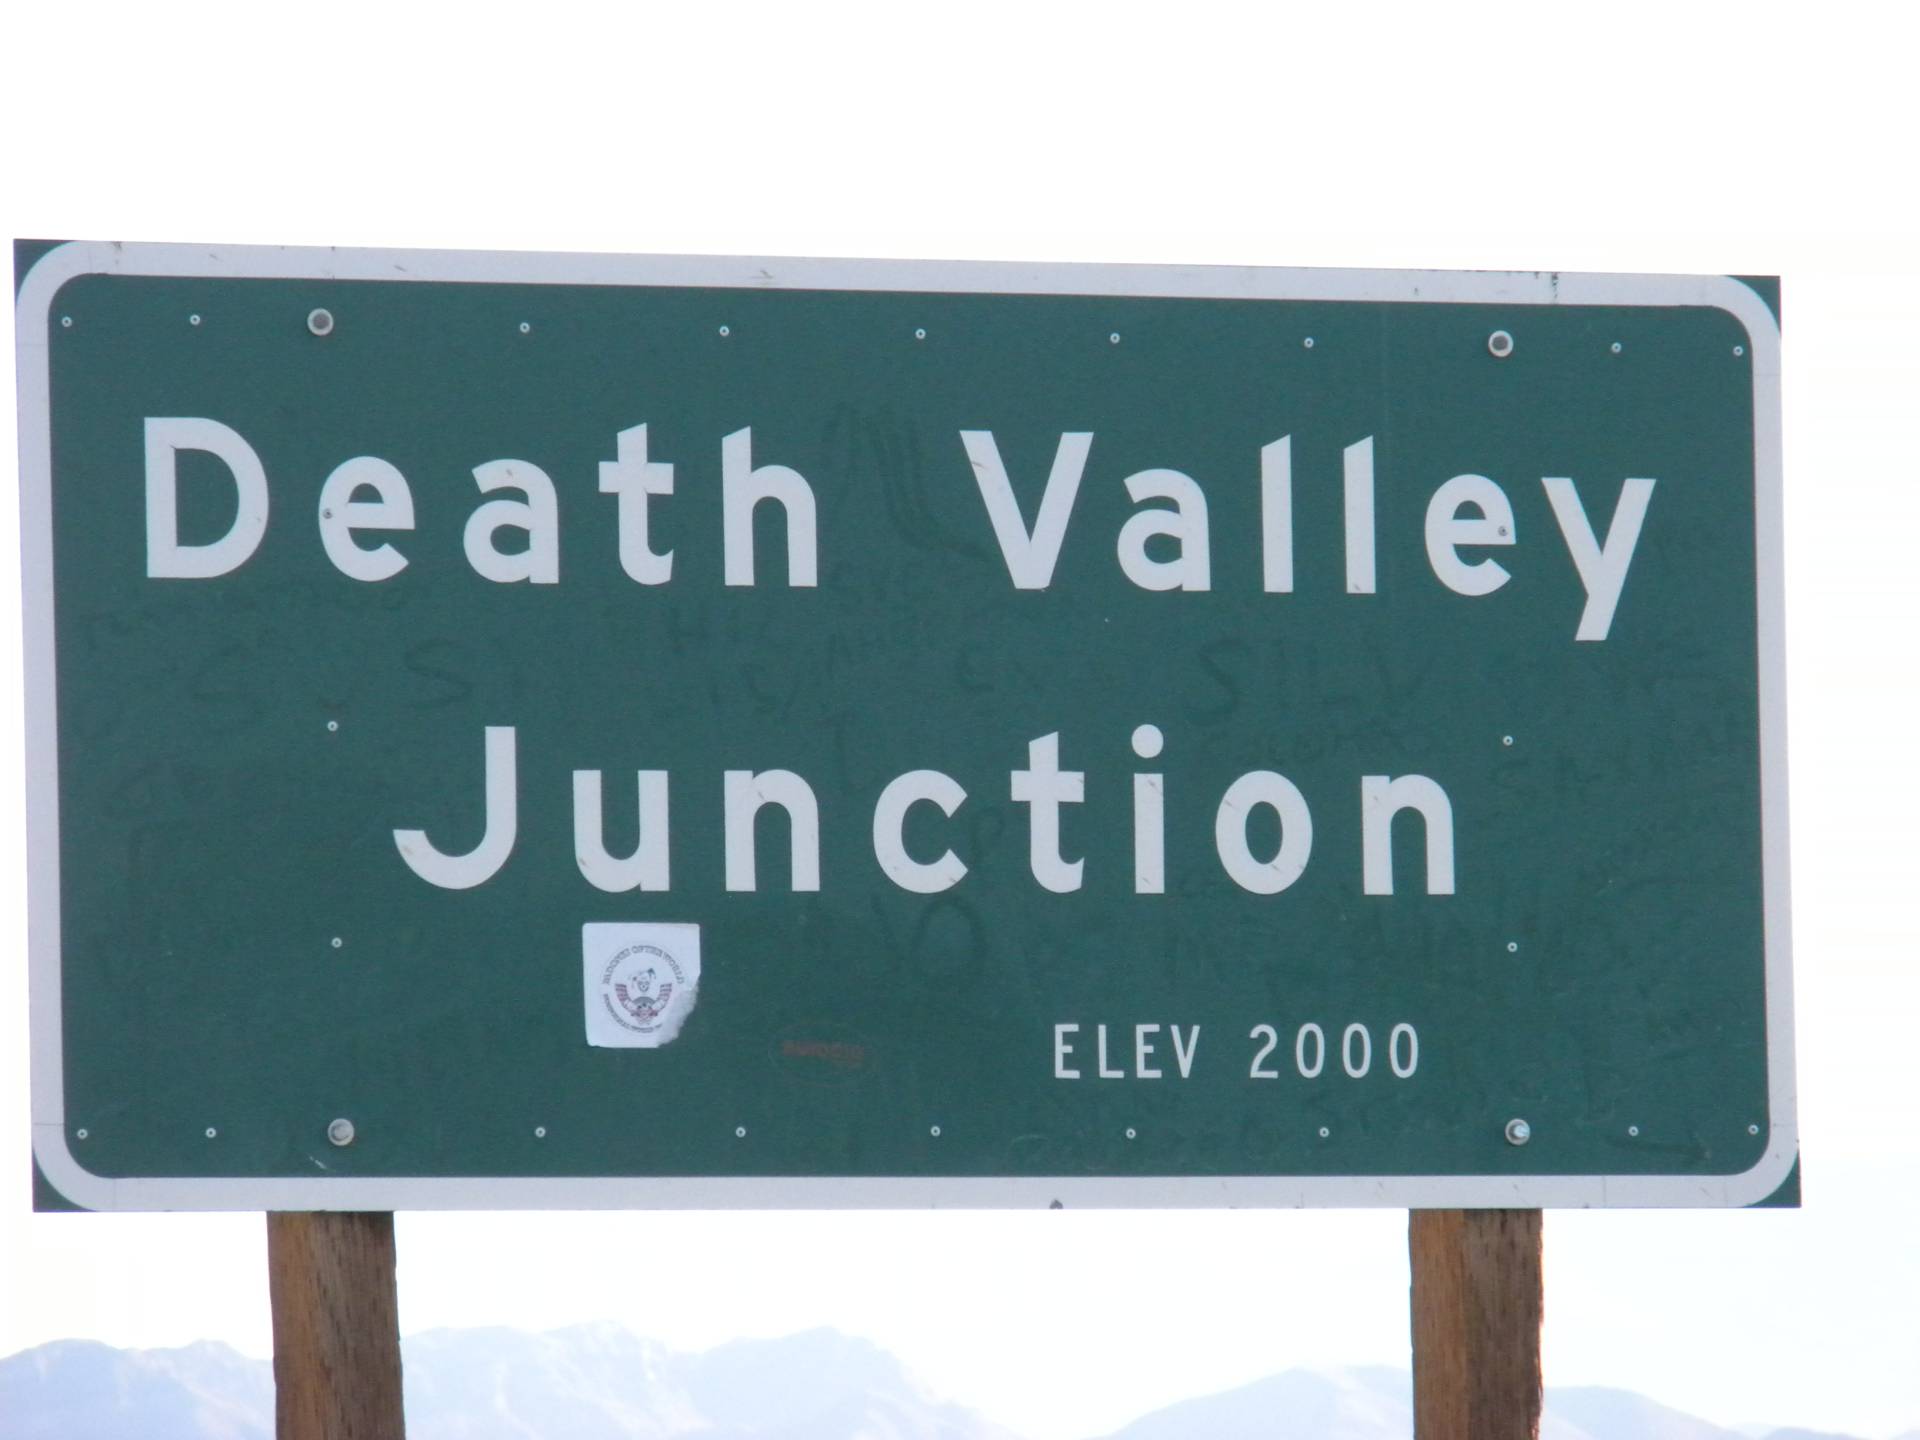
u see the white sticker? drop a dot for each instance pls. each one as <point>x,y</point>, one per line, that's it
<point>641,980</point>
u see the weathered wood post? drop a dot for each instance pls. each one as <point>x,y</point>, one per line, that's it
<point>1477,1302</point>
<point>336,1326</point>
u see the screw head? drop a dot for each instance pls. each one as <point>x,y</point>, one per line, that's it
<point>1506,740</point>
<point>1500,344</point>
<point>1132,1134</point>
<point>1324,1132</point>
<point>193,319</point>
<point>81,1133</point>
<point>1513,947</point>
<point>66,322</point>
<point>1307,344</point>
<point>1753,1129</point>
<point>1633,1131</point>
<point>1616,347</point>
<point>539,1132</point>
<point>340,1131</point>
<point>739,1132</point>
<point>211,1132</point>
<point>336,942</point>
<point>919,334</point>
<point>934,1131</point>
<point>725,330</point>
<point>1518,1131</point>
<point>1739,350</point>
<point>320,322</point>
<point>525,328</point>
<point>1114,338</point>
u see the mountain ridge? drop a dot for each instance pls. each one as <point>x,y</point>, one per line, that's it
<point>600,1381</point>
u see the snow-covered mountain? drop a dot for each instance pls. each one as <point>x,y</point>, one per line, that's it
<point>83,1390</point>
<point>601,1382</point>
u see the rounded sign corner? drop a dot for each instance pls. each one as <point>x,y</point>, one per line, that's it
<point>40,286</point>
<point>65,1175</point>
<point>1748,306</point>
<point>1760,1182</point>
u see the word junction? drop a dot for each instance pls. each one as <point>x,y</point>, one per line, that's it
<point>366,494</point>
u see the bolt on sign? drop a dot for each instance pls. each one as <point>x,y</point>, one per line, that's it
<point>560,730</point>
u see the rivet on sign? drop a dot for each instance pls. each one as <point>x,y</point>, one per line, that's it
<point>1506,740</point>
<point>935,1132</point>
<point>525,328</point>
<point>1114,338</point>
<point>340,1131</point>
<point>81,1133</point>
<point>320,322</point>
<point>1132,1134</point>
<point>1308,342</point>
<point>739,1132</point>
<point>725,331</point>
<point>1500,344</point>
<point>1325,1132</point>
<point>1739,350</point>
<point>1753,1129</point>
<point>919,334</point>
<point>193,319</point>
<point>1518,1132</point>
<point>333,725</point>
<point>1513,947</point>
<point>1633,1130</point>
<point>1616,347</point>
<point>211,1132</point>
<point>539,1132</point>
<point>337,942</point>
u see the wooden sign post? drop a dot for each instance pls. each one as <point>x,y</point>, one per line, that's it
<point>336,1326</point>
<point>1477,1301</point>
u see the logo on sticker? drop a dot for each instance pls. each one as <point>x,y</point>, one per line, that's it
<point>641,980</point>
<point>638,988</point>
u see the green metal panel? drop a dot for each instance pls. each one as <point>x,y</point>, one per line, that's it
<point>235,753</point>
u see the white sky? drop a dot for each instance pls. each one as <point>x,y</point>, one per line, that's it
<point>1628,137</point>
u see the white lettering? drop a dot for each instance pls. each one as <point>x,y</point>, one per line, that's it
<point>1356,464</point>
<point>341,515</point>
<point>1276,516</point>
<point>636,479</point>
<point>1185,524</point>
<point>889,821</point>
<point>1381,798</point>
<point>1263,877</point>
<point>1447,530</point>
<point>538,515</point>
<point>1603,569</point>
<point>483,862</point>
<point>1061,1050</point>
<point>742,488</point>
<point>167,558</point>
<point>1044,787</point>
<point>647,867</point>
<point>1030,557</point>
<point>746,793</point>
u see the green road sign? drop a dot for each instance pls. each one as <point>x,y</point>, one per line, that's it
<point>517,730</point>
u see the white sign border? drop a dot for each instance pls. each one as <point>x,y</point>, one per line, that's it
<point>34,317</point>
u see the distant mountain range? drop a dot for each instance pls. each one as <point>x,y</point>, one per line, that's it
<point>600,1382</point>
